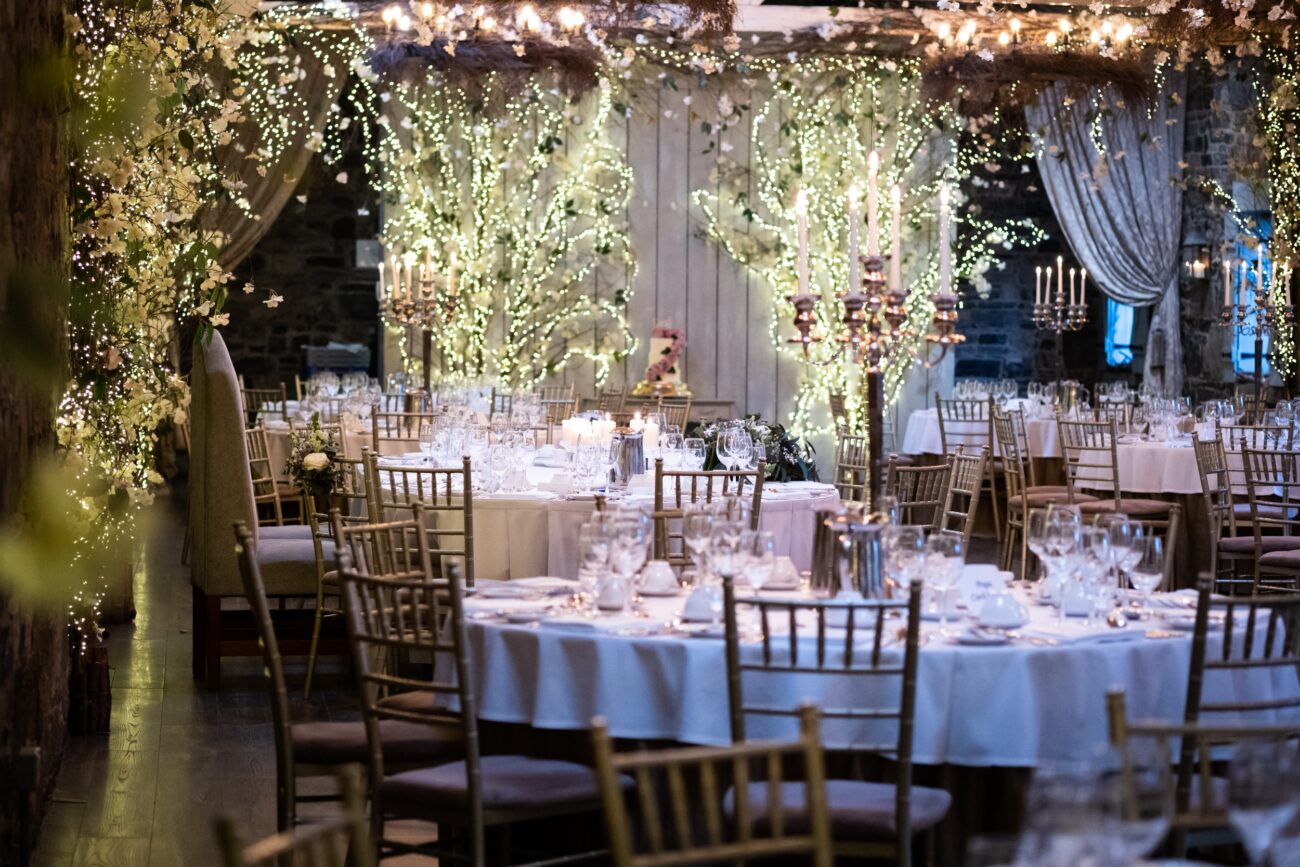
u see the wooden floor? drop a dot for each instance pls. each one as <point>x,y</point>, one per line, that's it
<point>178,755</point>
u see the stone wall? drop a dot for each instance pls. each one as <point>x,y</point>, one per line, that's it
<point>34,658</point>
<point>309,257</point>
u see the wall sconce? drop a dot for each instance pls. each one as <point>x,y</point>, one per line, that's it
<point>1196,255</point>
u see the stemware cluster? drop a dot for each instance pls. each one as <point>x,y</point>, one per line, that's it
<point>1088,567</point>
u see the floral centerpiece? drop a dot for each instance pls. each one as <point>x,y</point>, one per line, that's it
<point>312,466</point>
<point>789,459</point>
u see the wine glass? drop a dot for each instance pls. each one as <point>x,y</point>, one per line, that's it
<point>1137,790</point>
<point>428,435</point>
<point>697,530</point>
<point>905,554</point>
<point>1148,570</point>
<point>628,548</point>
<point>593,552</point>
<point>695,453</point>
<point>1262,792</point>
<point>945,555</point>
<point>762,558</point>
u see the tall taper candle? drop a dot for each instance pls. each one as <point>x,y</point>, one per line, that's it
<point>451,277</point>
<point>428,260</point>
<point>1259,271</point>
<point>410,277</point>
<point>1038,285</point>
<point>395,265</point>
<point>1083,288</point>
<point>945,244</point>
<point>1060,279</point>
<point>896,239</point>
<point>801,266</point>
<point>1073,273</point>
<point>855,277</point>
<point>873,218</point>
<point>1227,282</point>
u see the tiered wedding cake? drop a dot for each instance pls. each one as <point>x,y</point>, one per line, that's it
<point>663,377</point>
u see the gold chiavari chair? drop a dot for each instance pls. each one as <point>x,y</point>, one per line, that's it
<point>962,495</point>
<point>416,617</point>
<point>875,820</point>
<point>919,491</point>
<point>299,388</point>
<point>352,499</point>
<point>695,831</point>
<point>1259,642</point>
<point>502,402</point>
<point>1226,545</point>
<point>328,428</point>
<point>840,411</point>
<point>1235,438</point>
<point>400,429</point>
<point>318,748</point>
<point>1273,491</point>
<point>968,424</point>
<point>343,841</point>
<point>1120,413</point>
<point>266,485</point>
<point>1022,493</point>
<point>1202,745</point>
<point>683,488</point>
<point>676,411</point>
<point>554,412</point>
<point>555,392</point>
<point>611,400</point>
<point>266,403</point>
<point>446,496</point>
<point>1089,452</point>
<point>851,467</point>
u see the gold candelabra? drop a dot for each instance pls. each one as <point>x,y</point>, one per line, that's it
<point>1053,310</point>
<point>875,329</point>
<point>1260,316</point>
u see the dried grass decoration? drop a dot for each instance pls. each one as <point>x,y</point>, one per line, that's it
<point>1014,79</point>
<point>469,64</point>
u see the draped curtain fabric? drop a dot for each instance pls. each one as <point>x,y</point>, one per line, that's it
<point>1113,174</point>
<point>319,85</point>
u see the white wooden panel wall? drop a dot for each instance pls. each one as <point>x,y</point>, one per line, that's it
<point>683,279</point>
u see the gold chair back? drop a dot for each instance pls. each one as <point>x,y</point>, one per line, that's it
<point>676,411</point>
<point>611,400</point>
<point>402,429</point>
<point>554,392</point>
<point>920,491</point>
<point>1088,449</point>
<point>446,497</point>
<point>852,467</point>
<point>962,497</point>
<point>688,782</point>
<point>264,403</point>
<point>266,485</point>
<point>677,489</point>
<point>964,422</point>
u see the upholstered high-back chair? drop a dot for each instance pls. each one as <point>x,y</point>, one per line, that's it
<point>221,497</point>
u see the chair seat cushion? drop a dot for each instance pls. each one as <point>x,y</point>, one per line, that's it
<point>1134,507</point>
<point>288,566</point>
<point>1289,559</point>
<point>331,743</point>
<point>415,700</point>
<point>1246,544</point>
<point>508,782</point>
<point>1038,497</point>
<point>288,531</point>
<point>859,810</point>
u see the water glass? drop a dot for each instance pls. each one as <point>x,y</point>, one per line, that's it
<point>905,554</point>
<point>1262,792</point>
<point>593,553</point>
<point>762,558</point>
<point>945,555</point>
<point>694,453</point>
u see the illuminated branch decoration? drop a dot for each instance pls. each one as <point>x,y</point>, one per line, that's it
<point>529,194</point>
<point>814,133</point>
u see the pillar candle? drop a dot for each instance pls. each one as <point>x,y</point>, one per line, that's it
<point>651,435</point>
<point>801,212</point>
<point>855,276</point>
<point>636,423</point>
<point>873,221</point>
<point>945,244</point>
<point>896,239</point>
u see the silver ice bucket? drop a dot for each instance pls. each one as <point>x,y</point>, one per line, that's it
<point>629,456</point>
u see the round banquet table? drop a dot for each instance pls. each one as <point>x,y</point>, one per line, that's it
<point>530,533</point>
<point>1018,705</point>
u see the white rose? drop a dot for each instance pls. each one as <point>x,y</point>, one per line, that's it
<point>316,461</point>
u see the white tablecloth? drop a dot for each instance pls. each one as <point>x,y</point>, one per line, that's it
<point>519,535</point>
<point>1150,468</point>
<point>1015,705</point>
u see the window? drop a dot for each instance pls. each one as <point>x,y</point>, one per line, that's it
<point>1243,292</point>
<point>1119,333</point>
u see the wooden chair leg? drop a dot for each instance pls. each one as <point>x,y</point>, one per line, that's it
<point>993,502</point>
<point>315,638</point>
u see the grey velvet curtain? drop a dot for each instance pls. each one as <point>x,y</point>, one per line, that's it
<point>1113,174</point>
<point>318,84</point>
